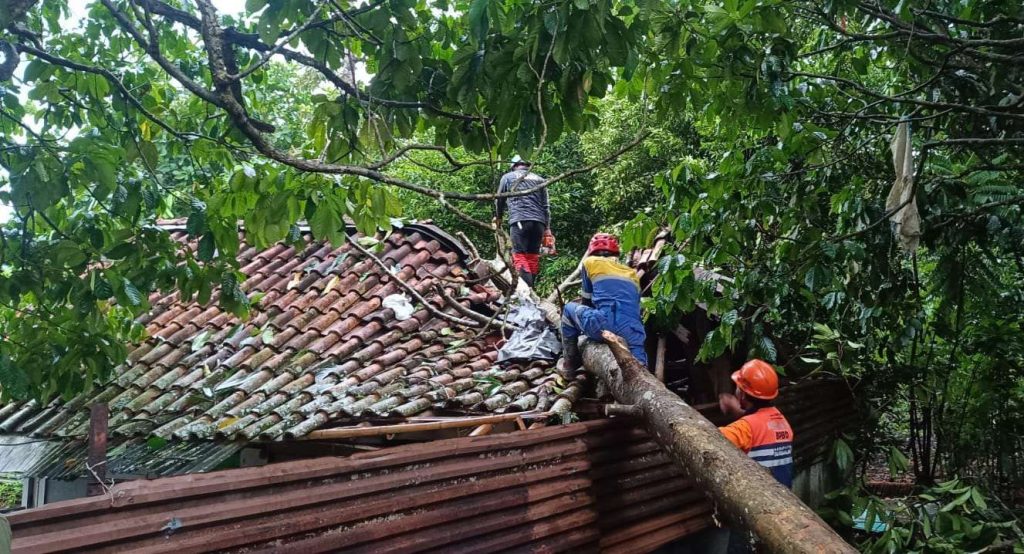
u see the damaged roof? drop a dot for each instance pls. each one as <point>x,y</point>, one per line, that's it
<point>645,261</point>
<point>319,348</point>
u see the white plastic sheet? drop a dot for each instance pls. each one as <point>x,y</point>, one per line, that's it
<point>400,304</point>
<point>533,338</point>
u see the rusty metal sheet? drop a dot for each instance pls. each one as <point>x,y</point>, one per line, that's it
<point>585,487</point>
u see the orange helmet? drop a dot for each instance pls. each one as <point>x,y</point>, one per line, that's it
<point>757,378</point>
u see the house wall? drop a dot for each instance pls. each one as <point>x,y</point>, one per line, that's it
<point>55,490</point>
<point>39,491</point>
<point>593,486</point>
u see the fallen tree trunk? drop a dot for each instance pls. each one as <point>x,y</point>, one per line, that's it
<point>747,495</point>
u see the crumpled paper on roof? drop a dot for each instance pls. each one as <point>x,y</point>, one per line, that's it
<point>905,221</point>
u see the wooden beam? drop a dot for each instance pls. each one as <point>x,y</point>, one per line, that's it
<point>682,333</point>
<point>96,459</point>
<point>659,359</point>
<point>455,423</point>
<point>624,410</point>
<point>484,429</point>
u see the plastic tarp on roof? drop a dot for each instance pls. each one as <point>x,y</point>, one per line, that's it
<point>533,338</point>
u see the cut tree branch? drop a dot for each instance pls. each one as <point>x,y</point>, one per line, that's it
<point>743,491</point>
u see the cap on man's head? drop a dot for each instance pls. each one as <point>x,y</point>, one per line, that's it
<point>519,162</point>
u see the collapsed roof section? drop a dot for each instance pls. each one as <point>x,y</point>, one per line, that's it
<point>321,348</point>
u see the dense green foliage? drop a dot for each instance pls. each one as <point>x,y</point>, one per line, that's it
<point>10,493</point>
<point>757,131</point>
<point>792,203</point>
<point>951,516</point>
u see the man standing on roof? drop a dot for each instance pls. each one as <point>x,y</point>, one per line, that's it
<point>529,218</point>
<point>759,430</point>
<point>610,294</point>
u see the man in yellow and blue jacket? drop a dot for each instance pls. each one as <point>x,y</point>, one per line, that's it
<point>610,302</point>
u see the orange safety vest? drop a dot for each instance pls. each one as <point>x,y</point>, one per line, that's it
<point>767,438</point>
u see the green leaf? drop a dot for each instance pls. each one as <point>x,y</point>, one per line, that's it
<point>35,70</point>
<point>958,501</point>
<point>196,223</point>
<point>327,222</point>
<point>478,21</point>
<point>207,248</point>
<point>843,455</point>
<point>69,254</point>
<point>149,153</point>
<point>205,292</point>
<point>615,46</point>
<point>200,340</point>
<point>133,295</point>
<point>103,172</point>
<point>860,64</point>
<point>897,462</point>
<point>101,288</point>
<point>767,349</point>
<point>816,278</point>
<point>978,499</point>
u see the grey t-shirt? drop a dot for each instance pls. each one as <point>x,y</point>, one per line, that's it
<point>530,207</point>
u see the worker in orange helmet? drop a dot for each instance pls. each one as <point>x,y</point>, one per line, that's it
<point>760,431</point>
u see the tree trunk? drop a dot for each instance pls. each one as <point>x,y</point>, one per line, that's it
<point>747,495</point>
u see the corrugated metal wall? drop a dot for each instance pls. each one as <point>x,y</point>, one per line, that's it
<point>600,485</point>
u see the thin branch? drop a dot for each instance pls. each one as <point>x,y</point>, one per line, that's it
<point>976,141</point>
<point>997,20</point>
<point>926,34</point>
<point>281,43</point>
<point>479,318</point>
<point>540,90</point>
<point>456,164</point>
<point>978,210</point>
<point>252,41</point>
<point>409,288</point>
<point>214,42</point>
<point>112,79</point>
<point>896,99</point>
<point>152,48</point>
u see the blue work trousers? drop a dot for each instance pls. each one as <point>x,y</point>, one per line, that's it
<point>578,319</point>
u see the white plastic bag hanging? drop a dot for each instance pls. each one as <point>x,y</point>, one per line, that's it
<point>906,222</point>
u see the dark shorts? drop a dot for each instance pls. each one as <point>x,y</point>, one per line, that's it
<point>526,237</point>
